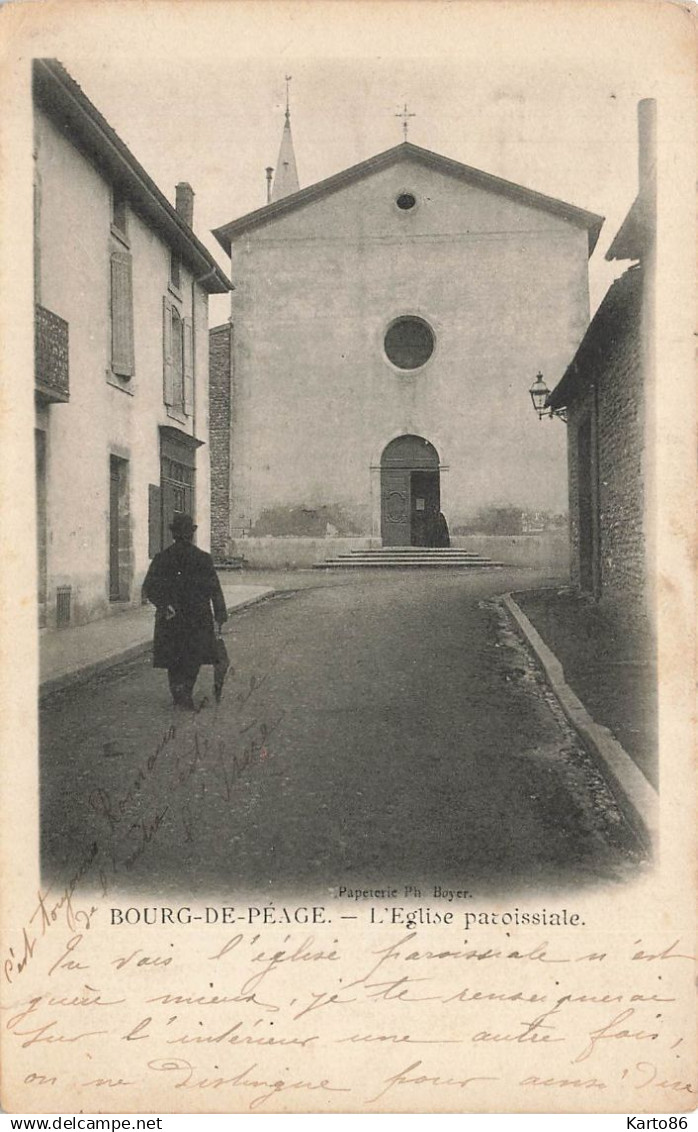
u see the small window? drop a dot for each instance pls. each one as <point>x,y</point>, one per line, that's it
<point>406,201</point>
<point>118,210</point>
<point>179,498</point>
<point>178,362</point>
<point>409,342</point>
<point>175,269</point>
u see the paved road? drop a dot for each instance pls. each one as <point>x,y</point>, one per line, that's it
<point>375,730</point>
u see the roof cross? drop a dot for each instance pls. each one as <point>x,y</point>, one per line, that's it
<point>405,115</point>
<point>287,79</point>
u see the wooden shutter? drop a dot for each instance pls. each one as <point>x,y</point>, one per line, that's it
<point>154,519</point>
<point>122,314</point>
<point>167,371</point>
<point>188,362</point>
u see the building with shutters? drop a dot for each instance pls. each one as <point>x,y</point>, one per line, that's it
<point>121,358</point>
<point>385,326</point>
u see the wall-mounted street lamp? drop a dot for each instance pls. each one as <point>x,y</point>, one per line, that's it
<point>539,395</point>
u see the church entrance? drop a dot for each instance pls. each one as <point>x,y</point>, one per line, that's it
<point>410,491</point>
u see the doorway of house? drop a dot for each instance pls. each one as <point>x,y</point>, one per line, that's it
<point>119,531</point>
<point>410,489</point>
<point>176,492</point>
<point>41,524</point>
<point>177,486</point>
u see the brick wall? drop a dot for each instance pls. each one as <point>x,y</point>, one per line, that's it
<point>220,410</point>
<point>621,443</point>
<point>610,395</point>
<point>576,413</point>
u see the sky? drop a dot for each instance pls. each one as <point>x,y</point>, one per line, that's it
<point>543,93</point>
<point>566,131</point>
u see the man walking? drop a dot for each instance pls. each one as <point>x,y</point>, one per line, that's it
<point>183,585</point>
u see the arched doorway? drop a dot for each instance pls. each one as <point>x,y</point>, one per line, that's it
<point>410,490</point>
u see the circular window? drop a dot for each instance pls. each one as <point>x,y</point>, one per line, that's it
<point>409,342</point>
<point>406,201</point>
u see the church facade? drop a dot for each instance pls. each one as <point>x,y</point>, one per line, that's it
<point>385,327</point>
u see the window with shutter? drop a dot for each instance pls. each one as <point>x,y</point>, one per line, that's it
<point>167,376</point>
<point>175,270</point>
<point>122,360</point>
<point>188,355</point>
<point>177,361</point>
<point>118,210</point>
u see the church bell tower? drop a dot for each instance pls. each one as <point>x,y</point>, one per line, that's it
<point>286,179</point>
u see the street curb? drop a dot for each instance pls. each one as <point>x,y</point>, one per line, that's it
<point>636,797</point>
<point>86,673</point>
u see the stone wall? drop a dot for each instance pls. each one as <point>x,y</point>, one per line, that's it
<point>583,407</point>
<point>621,491</point>
<point>545,551</point>
<point>611,398</point>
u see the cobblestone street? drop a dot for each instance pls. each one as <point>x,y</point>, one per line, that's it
<point>372,730</point>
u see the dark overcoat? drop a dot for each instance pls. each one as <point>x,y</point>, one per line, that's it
<point>184,578</point>
<point>441,534</point>
<point>437,530</point>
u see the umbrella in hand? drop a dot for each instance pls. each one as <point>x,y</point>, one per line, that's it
<point>220,667</point>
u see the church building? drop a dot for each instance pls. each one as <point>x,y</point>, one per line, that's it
<point>385,326</point>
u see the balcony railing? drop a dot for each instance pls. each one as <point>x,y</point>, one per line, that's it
<point>51,371</point>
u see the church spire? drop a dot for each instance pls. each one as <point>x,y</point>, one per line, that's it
<point>286,179</point>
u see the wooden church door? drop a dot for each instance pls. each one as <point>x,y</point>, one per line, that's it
<point>409,488</point>
<point>395,506</point>
<point>425,505</point>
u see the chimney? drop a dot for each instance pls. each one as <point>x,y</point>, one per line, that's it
<point>184,202</point>
<point>270,172</point>
<point>647,147</point>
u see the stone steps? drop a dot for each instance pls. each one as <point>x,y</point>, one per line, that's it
<point>408,558</point>
<point>421,551</point>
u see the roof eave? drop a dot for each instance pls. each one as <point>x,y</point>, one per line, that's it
<point>559,396</point>
<point>590,221</point>
<point>578,371</point>
<point>634,235</point>
<point>62,98</point>
<point>269,212</point>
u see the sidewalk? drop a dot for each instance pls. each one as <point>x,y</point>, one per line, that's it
<point>599,663</point>
<point>69,656</point>
<point>608,660</point>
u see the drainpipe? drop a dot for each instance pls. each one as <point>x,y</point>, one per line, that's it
<point>194,284</point>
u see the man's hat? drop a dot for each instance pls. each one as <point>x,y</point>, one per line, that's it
<point>182,525</point>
